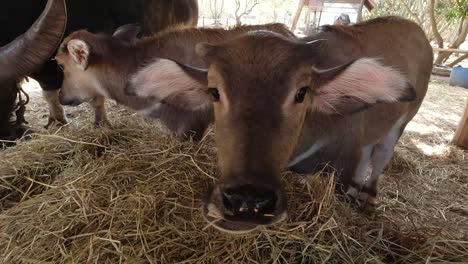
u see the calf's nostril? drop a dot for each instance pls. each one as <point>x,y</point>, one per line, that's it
<point>247,201</point>
<point>244,207</point>
<point>266,206</point>
<point>231,202</point>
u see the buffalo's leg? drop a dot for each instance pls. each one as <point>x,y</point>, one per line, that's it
<point>9,128</point>
<point>56,112</point>
<point>100,114</point>
<point>360,174</point>
<point>8,93</point>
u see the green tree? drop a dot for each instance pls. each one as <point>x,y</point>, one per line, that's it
<point>244,7</point>
<point>455,12</point>
<point>443,21</point>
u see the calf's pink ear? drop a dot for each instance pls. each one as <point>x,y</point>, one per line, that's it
<point>172,83</point>
<point>358,85</point>
<point>79,52</point>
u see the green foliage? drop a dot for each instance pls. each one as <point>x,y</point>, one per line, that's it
<point>455,9</point>
<point>451,9</point>
<point>387,8</point>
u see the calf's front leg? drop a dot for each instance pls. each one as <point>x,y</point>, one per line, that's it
<point>56,112</point>
<point>381,155</point>
<point>359,178</point>
<point>100,114</point>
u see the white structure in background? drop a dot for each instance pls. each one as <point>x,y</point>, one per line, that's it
<point>331,11</point>
<point>323,12</point>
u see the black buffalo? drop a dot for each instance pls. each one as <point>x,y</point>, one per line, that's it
<point>30,53</point>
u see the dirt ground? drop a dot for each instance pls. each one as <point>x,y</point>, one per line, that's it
<point>422,216</point>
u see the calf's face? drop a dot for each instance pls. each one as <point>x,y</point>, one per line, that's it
<point>261,87</point>
<point>88,60</point>
<point>80,83</point>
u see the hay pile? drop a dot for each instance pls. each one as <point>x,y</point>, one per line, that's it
<point>133,195</point>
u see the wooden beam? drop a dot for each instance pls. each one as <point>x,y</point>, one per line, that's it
<point>369,5</point>
<point>451,50</point>
<point>297,15</point>
<point>461,136</point>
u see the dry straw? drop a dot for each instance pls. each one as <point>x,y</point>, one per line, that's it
<point>133,195</point>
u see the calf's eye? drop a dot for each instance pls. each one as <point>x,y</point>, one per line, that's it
<point>214,93</point>
<point>300,96</point>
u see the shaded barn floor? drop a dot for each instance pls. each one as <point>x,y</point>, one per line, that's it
<point>132,194</point>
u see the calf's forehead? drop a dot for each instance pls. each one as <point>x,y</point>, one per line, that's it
<point>259,54</point>
<point>256,67</point>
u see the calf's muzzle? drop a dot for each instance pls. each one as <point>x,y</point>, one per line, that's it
<point>249,203</point>
<point>68,101</point>
<point>241,206</point>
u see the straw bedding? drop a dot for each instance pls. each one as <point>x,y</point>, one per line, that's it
<point>132,194</point>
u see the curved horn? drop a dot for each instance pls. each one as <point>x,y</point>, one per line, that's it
<point>198,74</point>
<point>309,50</point>
<point>28,51</point>
<point>330,73</point>
<point>315,42</point>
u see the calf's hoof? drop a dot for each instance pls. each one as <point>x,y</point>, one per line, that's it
<point>58,121</point>
<point>102,124</point>
<point>351,194</point>
<point>368,202</point>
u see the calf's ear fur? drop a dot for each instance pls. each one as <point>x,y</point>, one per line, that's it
<point>79,51</point>
<point>359,85</point>
<point>172,83</point>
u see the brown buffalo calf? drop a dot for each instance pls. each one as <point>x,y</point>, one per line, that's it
<point>98,66</point>
<point>343,98</point>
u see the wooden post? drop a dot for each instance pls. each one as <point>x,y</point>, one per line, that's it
<point>320,18</point>
<point>297,15</point>
<point>461,136</point>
